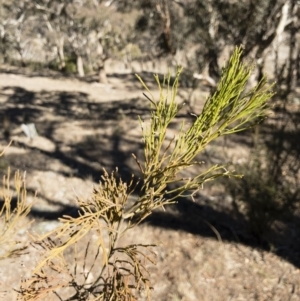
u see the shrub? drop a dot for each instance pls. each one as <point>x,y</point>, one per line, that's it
<point>70,65</point>
<point>120,271</point>
<point>11,218</point>
<point>269,191</point>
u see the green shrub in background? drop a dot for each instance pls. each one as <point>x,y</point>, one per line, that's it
<point>269,190</point>
<point>70,65</point>
<point>119,272</point>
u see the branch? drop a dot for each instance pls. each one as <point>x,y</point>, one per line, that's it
<point>284,21</point>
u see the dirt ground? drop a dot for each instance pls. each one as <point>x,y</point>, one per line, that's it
<point>84,127</point>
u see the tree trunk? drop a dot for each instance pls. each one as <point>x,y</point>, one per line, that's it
<point>164,12</point>
<point>102,57</point>
<point>60,52</point>
<point>80,69</point>
<point>102,73</point>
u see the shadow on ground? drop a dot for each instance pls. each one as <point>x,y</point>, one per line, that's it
<point>203,220</point>
<point>80,132</point>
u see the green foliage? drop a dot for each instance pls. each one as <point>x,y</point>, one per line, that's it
<point>269,190</point>
<point>262,196</point>
<point>120,271</point>
<point>227,111</point>
<point>70,65</point>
